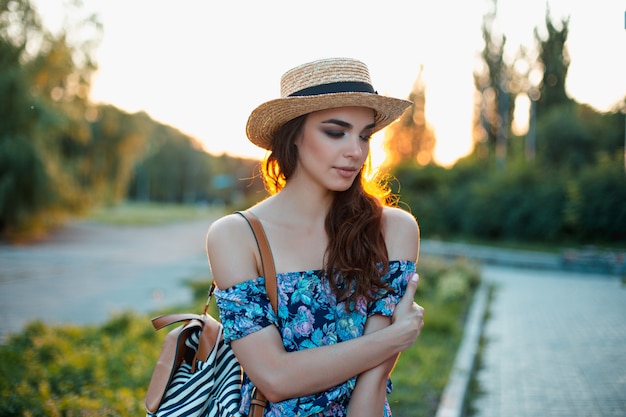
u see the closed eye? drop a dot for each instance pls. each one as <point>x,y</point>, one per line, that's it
<point>335,133</point>
<point>338,133</point>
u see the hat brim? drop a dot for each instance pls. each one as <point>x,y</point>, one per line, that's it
<point>265,120</point>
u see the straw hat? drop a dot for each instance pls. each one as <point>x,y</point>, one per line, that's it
<point>320,85</point>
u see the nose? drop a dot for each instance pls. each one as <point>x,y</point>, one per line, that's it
<point>355,147</point>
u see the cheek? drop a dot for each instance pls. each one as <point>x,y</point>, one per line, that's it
<point>312,146</point>
<point>322,149</point>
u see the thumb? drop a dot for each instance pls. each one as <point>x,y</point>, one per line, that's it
<point>407,300</point>
<point>411,287</point>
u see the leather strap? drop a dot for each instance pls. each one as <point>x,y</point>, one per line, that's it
<point>258,402</point>
<point>267,260</point>
<point>174,345</point>
<point>172,354</point>
<point>167,319</point>
<point>208,337</point>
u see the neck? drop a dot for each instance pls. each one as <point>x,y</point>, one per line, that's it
<point>307,203</point>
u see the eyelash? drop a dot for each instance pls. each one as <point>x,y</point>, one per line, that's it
<point>339,133</point>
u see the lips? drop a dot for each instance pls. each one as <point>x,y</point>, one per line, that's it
<point>346,172</point>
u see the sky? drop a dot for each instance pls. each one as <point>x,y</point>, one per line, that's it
<point>202,66</point>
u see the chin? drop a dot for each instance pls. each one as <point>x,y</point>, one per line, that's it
<point>341,186</point>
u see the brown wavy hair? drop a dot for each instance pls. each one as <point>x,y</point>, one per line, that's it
<point>356,256</point>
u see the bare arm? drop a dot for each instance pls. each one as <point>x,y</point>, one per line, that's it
<point>277,373</point>
<point>370,393</point>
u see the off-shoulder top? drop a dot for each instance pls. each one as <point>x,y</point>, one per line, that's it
<point>309,315</point>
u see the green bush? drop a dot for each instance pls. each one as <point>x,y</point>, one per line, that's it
<point>445,291</point>
<point>525,202</point>
<point>597,204</point>
<point>77,371</point>
<point>103,371</point>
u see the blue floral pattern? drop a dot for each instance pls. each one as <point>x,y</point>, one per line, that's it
<point>309,315</point>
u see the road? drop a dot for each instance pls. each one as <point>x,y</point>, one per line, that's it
<point>85,272</point>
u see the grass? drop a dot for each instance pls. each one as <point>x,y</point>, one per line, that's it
<point>151,214</point>
<point>445,291</point>
<point>104,370</point>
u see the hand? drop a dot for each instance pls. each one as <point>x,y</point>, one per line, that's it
<point>408,316</point>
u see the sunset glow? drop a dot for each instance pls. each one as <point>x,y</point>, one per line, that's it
<point>203,67</point>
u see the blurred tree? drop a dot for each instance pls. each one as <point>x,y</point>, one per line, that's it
<point>573,136</point>
<point>41,79</point>
<point>237,180</point>
<point>411,138</point>
<point>496,101</point>
<point>564,140</point>
<point>117,141</point>
<point>574,191</point>
<point>596,210</point>
<point>59,154</point>
<point>174,168</point>
<point>170,166</point>
<point>555,60</point>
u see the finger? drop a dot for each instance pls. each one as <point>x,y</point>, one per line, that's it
<point>406,302</point>
<point>412,287</point>
<point>420,314</point>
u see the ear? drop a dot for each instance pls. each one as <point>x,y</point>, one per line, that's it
<point>298,140</point>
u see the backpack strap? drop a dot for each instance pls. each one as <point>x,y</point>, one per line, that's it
<point>172,353</point>
<point>267,260</point>
<point>258,402</point>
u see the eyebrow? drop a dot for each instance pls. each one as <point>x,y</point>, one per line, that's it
<point>345,124</point>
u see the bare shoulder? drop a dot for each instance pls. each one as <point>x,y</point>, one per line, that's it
<point>402,234</point>
<point>225,226</point>
<point>396,219</point>
<point>231,250</point>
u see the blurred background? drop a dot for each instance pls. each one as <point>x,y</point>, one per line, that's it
<point>122,136</point>
<point>105,102</point>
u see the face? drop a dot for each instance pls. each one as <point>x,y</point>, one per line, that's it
<point>334,145</point>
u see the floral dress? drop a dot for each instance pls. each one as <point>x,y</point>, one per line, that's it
<point>309,315</point>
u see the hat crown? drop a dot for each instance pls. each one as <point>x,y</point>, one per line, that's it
<point>322,72</point>
<point>325,84</point>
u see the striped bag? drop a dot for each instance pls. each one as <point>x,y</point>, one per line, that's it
<point>201,382</point>
<point>197,374</point>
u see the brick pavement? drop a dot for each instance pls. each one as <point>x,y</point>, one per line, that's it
<point>556,345</point>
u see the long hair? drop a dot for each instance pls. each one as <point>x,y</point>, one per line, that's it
<point>356,257</point>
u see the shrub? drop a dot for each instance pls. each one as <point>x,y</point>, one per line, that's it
<point>69,370</point>
<point>103,371</point>
<point>445,291</point>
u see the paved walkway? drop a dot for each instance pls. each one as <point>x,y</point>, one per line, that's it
<point>556,345</point>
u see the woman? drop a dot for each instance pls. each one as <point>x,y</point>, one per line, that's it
<point>343,258</point>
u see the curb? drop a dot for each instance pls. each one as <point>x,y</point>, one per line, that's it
<point>611,262</point>
<point>452,402</point>
<point>491,255</point>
